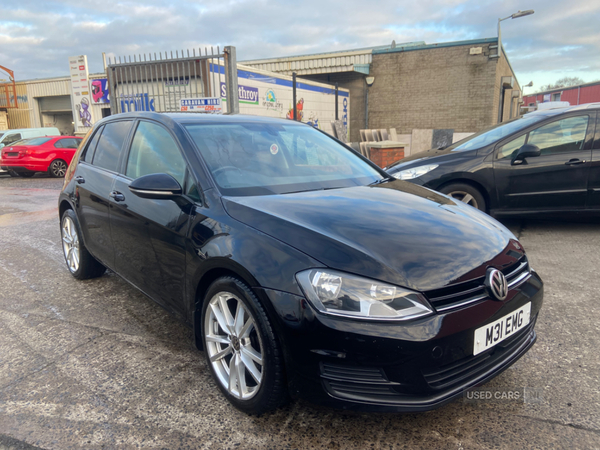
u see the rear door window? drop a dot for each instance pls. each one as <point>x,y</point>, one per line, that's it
<point>110,145</point>
<point>69,143</point>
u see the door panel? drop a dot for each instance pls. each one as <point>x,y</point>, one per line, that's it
<point>94,185</point>
<point>555,180</point>
<point>149,235</point>
<point>93,211</point>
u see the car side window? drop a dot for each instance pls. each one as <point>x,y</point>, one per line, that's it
<point>154,150</point>
<point>110,144</point>
<point>70,143</point>
<point>59,143</point>
<point>11,138</point>
<point>88,154</point>
<point>508,149</point>
<point>566,135</point>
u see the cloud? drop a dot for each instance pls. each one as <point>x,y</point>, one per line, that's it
<point>37,36</point>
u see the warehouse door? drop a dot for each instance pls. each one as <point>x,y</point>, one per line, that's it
<point>56,111</point>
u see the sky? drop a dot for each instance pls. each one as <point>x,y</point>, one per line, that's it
<point>37,36</point>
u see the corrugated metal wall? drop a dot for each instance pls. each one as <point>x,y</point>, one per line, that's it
<point>28,114</point>
<point>577,95</point>
<point>316,64</point>
<point>20,117</point>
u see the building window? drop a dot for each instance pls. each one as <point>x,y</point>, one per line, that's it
<point>556,97</point>
<point>531,104</point>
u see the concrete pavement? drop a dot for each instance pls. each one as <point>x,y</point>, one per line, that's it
<point>97,365</point>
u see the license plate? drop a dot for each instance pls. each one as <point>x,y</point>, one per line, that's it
<point>491,334</point>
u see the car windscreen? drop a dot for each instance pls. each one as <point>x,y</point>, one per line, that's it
<point>495,133</point>
<point>35,141</point>
<point>257,158</point>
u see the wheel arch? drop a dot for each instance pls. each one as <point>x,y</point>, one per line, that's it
<point>63,206</point>
<point>482,190</point>
<point>222,269</point>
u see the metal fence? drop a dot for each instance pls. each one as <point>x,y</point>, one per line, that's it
<point>158,82</point>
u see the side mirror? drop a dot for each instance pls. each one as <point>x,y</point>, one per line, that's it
<point>156,186</point>
<point>526,151</point>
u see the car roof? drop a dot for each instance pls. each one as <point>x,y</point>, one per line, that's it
<point>198,117</point>
<point>565,109</point>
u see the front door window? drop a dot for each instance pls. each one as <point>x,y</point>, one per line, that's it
<point>566,135</point>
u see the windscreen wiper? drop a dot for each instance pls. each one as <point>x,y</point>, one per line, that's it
<point>383,180</point>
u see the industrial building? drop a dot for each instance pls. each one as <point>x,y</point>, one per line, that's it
<point>575,95</point>
<point>461,87</point>
<point>454,85</point>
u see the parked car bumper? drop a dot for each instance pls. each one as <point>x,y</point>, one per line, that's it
<point>416,366</point>
<point>24,165</point>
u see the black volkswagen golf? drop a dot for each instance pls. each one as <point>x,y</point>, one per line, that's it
<point>545,162</point>
<point>302,268</point>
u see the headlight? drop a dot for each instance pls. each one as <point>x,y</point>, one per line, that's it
<point>415,172</point>
<point>342,294</point>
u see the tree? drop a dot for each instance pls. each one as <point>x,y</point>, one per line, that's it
<point>563,82</point>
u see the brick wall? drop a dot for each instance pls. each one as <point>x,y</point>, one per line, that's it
<point>443,87</point>
<point>383,157</point>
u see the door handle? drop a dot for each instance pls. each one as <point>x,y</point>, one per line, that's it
<point>117,196</point>
<point>574,161</point>
<point>80,180</point>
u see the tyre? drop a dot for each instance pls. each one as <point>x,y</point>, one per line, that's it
<point>241,349</point>
<point>80,262</point>
<point>26,174</point>
<point>57,168</point>
<point>466,194</point>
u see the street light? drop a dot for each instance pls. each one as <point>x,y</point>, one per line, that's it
<point>512,16</point>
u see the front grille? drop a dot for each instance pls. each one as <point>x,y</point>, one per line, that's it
<point>473,366</point>
<point>462,294</point>
<point>358,383</point>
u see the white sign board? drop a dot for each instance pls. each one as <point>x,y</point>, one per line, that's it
<point>80,93</point>
<point>210,105</point>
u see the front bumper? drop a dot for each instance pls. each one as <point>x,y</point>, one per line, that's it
<point>416,366</point>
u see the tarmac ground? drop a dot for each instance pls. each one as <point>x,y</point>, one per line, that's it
<point>97,365</point>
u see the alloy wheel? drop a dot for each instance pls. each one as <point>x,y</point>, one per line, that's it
<point>234,345</point>
<point>464,197</point>
<point>59,168</point>
<point>70,240</point>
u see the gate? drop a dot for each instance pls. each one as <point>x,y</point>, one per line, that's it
<point>158,83</point>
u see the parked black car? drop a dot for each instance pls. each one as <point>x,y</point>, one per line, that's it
<point>545,162</point>
<point>301,266</point>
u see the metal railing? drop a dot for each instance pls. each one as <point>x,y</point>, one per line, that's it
<point>158,82</point>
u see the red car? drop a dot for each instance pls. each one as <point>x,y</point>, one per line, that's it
<point>51,154</point>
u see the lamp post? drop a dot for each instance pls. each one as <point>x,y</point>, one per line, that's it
<point>512,16</point>
<point>527,85</point>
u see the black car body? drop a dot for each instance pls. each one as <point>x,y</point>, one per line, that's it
<point>364,293</point>
<point>563,177</point>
